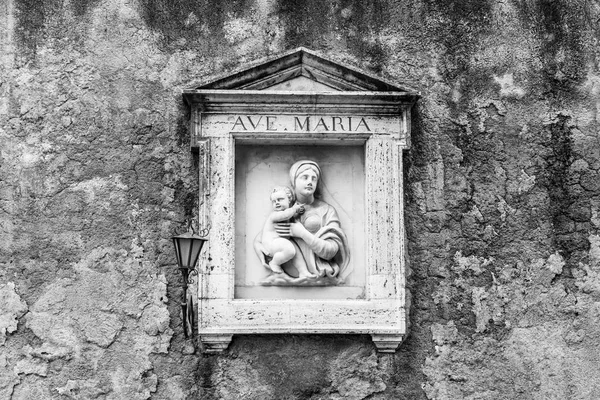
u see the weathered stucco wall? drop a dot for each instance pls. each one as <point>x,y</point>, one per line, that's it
<point>503,198</point>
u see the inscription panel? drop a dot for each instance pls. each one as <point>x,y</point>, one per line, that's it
<point>336,126</point>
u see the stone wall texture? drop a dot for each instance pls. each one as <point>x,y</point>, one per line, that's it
<point>502,195</point>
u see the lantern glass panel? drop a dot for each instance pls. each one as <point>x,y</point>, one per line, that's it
<point>177,250</point>
<point>196,248</point>
<point>186,251</point>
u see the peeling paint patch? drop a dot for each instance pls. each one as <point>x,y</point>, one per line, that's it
<point>508,87</point>
<point>82,389</point>
<point>11,309</point>
<point>30,366</point>
<point>474,263</point>
<point>555,263</point>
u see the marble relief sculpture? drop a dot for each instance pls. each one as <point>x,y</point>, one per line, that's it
<point>302,243</point>
<point>281,249</point>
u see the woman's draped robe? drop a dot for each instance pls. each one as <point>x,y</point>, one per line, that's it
<point>328,254</point>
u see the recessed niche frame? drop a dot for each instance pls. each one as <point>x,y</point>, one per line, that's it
<point>379,123</point>
<point>258,169</point>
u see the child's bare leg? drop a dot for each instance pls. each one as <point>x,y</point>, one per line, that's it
<point>279,258</point>
<point>276,262</point>
<point>283,251</point>
<point>299,261</point>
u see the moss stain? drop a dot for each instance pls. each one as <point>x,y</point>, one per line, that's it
<point>318,24</point>
<point>185,24</point>
<point>38,20</point>
<point>559,26</point>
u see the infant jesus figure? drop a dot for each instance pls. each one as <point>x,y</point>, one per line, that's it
<point>281,249</point>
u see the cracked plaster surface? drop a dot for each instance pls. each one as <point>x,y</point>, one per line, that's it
<point>502,207</point>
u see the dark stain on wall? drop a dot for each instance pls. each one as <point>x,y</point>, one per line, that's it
<point>363,27</point>
<point>300,376</point>
<point>407,362</point>
<point>353,24</point>
<point>81,7</point>
<point>307,25</point>
<point>458,26</point>
<point>559,26</point>
<point>204,374</point>
<point>425,249</point>
<point>182,132</point>
<point>187,24</point>
<point>38,20</point>
<point>569,208</point>
<point>30,16</point>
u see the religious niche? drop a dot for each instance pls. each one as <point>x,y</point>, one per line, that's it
<point>301,183</point>
<point>300,220</point>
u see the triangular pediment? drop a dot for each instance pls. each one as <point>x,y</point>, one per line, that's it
<point>302,70</point>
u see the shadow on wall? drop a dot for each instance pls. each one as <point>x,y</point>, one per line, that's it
<point>307,366</point>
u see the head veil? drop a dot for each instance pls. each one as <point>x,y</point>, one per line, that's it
<point>301,166</point>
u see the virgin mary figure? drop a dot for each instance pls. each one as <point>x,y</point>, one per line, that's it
<point>322,253</point>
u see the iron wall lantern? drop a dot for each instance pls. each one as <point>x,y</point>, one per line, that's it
<point>187,249</point>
